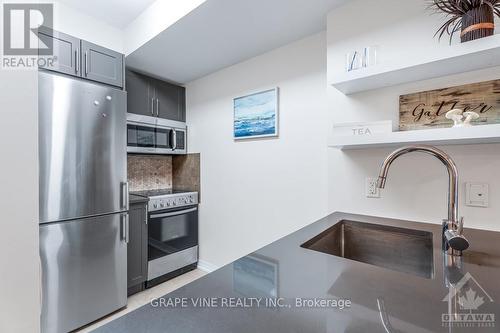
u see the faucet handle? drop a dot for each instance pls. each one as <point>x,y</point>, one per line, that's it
<point>460,227</point>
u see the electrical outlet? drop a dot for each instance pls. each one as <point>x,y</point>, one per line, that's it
<point>476,194</point>
<point>371,189</point>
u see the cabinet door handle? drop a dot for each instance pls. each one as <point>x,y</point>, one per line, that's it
<point>153,107</point>
<point>86,64</point>
<point>157,107</point>
<point>77,61</point>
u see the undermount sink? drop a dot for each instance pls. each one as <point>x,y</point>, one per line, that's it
<point>398,249</point>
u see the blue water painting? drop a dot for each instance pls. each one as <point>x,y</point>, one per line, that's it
<point>256,115</point>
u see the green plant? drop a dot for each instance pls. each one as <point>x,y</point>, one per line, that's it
<point>462,14</point>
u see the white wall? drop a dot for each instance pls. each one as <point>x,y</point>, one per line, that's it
<point>417,185</point>
<point>256,191</point>
<point>19,263</point>
<point>81,25</point>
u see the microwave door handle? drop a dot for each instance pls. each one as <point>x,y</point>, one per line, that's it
<point>180,212</point>
<point>174,146</point>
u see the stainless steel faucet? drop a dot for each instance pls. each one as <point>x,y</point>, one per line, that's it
<point>453,240</point>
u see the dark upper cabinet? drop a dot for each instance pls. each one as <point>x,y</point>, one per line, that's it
<point>140,94</point>
<point>137,247</point>
<point>152,97</point>
<point>65,47</point>
<point>169,99</point>
<point>80,58</point>
<point>101,64</point>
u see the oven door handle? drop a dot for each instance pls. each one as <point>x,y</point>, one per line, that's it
<point>180,212</point>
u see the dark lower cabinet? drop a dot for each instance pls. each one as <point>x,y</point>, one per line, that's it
<point>137,250</point>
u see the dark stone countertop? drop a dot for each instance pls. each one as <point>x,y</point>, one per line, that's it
<point>134,199</point>
<point>286,270</point>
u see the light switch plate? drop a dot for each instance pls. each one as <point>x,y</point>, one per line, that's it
<point>476,194</point>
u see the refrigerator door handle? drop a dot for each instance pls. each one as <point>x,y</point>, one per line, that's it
<point>125,196</point>
<point>127,234</point>
<point>125,227</point>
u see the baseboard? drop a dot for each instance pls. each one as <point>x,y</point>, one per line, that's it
<point>206,266</point>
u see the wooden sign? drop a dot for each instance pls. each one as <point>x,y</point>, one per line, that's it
<point>427,109</point>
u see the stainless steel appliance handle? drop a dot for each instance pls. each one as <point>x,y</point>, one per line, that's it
<point>174,144</point>
<point>157,107</point>
<point>77,61</point>
<point>180,212</point>
<point>146,217</point>
<point>152,106</point>
<point>40,266</point>
<point>127,234</point>
<point>125,195</point>
<point>125,227</point>
<point>86,64</point>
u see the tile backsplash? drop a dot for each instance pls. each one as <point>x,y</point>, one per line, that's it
<point>147,172</point>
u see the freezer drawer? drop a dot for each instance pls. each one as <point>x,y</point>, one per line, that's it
<point>84,271</point>
<point>82,148</point>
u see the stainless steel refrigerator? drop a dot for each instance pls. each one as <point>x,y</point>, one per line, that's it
<point>83,201</point>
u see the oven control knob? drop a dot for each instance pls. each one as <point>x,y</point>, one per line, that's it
<point>155,206</point>
<point>174,203</point>
<point>162,205</point>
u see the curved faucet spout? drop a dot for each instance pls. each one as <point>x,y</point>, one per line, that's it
<point>443,157</point>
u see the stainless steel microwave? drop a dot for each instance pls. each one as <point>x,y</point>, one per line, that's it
<point>151,135</point>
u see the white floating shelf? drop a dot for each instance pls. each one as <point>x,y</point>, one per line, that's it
<point>439,136</point>
<point>460,58</point>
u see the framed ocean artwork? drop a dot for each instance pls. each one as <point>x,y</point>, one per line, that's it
<point>256,115</point>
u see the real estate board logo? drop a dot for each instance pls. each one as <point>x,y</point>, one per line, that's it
<point>20,24</point>
<point>464,302</point>
<point>22,46</point>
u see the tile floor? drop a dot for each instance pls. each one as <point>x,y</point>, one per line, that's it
<point>144,297</point>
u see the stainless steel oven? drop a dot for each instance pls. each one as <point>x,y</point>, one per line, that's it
<point>172,235</point>
<point>150,135</point>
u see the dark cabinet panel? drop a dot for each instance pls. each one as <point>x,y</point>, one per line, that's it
<point>137,249</point>
<point>139,94</point>
<point>182,103</point>
<point>66,51</point>
<point>168,100</point>
<point>153,97</point>
<point>80,58</point>
<point>102,64</point>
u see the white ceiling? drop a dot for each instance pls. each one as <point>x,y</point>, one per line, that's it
<point>220,33</point>
<point>117,13</point>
